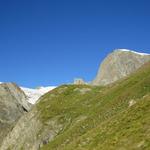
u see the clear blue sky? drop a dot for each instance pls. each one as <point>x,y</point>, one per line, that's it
<point>50,42</point>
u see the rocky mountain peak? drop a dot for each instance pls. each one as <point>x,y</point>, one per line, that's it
<point>118,64</point>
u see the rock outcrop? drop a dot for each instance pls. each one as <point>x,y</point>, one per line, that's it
<point>33,130</point>
<point>13,104</point>
<point>79,81</point>
<point>119,64</point>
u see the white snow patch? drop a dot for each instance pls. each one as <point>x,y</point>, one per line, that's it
<point>34,94</point>
<point>126,50</point>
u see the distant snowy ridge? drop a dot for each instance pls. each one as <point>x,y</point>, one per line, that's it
<point>34,94</point>
<point>127,50</point>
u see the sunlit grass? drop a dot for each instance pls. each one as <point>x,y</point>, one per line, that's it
<point>100,117</point>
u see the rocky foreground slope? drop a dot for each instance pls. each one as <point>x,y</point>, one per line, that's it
<point>119,64</point>
<point>75,117</point>
<point>13,104</point>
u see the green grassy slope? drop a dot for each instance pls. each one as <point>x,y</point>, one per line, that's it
<point>97,118</point>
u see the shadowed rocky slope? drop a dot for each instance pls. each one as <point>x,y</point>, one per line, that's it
<point>13,105</point>
<point>119,64</point>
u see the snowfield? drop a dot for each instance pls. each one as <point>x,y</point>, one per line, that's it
<point>34,94</point>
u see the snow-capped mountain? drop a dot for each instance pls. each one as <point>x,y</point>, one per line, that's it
<point>34,94</point>
<point>119,64</point>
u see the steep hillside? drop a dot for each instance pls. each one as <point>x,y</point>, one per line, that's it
<point>119,64</point>
<point>89,118</point>
<point>13,105</point>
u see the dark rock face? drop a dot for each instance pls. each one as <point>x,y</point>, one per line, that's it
<point>13,104</point>
<point>119,64</point>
